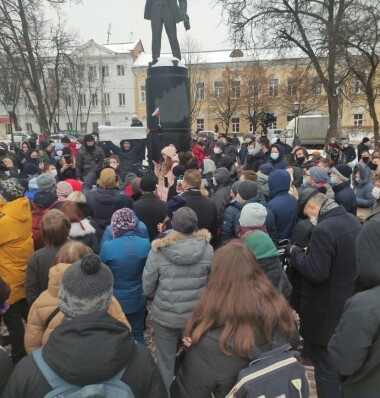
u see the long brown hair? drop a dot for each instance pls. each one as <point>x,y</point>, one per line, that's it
<point>71,251</point>
<point>241,301</point>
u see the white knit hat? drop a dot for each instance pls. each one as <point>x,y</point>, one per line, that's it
<point>253,215</point>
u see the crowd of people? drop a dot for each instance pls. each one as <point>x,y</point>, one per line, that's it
<point>229,241</point>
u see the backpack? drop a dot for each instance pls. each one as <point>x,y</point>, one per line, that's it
<point>37,214</point>
<point>112,388</point>
<point>275,373</point>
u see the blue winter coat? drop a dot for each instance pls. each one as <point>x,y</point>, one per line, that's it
<point>363,189</point>
<point>227,226</point>
<point>282,204</point>
<point>126,257</point>
<point>345,196</point>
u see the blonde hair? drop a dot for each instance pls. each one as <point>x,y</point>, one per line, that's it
<point>77,197</point>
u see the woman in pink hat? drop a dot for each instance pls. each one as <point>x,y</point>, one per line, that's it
<point>163,170</point>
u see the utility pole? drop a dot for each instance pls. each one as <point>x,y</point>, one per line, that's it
<point>109,33</point>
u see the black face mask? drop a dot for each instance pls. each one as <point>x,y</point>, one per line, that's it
<point>3,152</point>
<point>365,159</point>
<point>372,166</point>
<point>301,159</point>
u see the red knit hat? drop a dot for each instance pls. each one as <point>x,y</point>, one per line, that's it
<point>77,185</point>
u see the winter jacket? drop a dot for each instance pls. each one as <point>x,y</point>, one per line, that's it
<point>101,200</point>
<point>37,332</point>
<point>345,196</point>
<point>227,224</point>
<point>128,159</point>
<point>222,160</point>
<point>16,245</point>
<point>141,231</point>
<point>253,162</point>
<point>204,208</point>
<point>329,270</point>
<point>375,213</point>
<point>6,368</point>
<point>362,147</point>
<point>230,151</point>
<point>199,154</point>
<point>282,204</point>
<point>84,232</point>
<point>281,163</point>
<point>175,274</point>
<point>88,350</point>
<point>151,211</point>
<point>363,189</point>
<point>347,155</point>
<point>207,371</point>
<point>126,257</point>
<point>37,272</point>
<point>262,182</point>
<point>222,189</point>
<point>165,180</point>
<point>88,160</point>
<point>46,199</point>
<point>354,348</point>
<point>243,153</point>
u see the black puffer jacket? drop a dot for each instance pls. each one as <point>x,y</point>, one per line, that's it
<point>128,159</point>
<point>355,346</point>
<point>345,196</point>
<point>88,350</point>
<point>88,159</point>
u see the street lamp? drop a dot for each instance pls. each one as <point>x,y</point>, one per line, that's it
<point>9,108</point>
<point>296,111</point>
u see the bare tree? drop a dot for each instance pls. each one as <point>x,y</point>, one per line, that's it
<point>225,97</point>
<point>197,66</point>
<point>312,26</point>
<point>362,57</point>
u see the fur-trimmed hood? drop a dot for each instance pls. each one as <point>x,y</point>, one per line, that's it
<point>183,249</point>
<point>80,229</point>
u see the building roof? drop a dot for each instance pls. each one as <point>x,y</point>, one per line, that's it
<point>227,56</point>
<point>121,48</point>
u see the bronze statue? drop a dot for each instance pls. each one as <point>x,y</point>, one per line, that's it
<point>166,13</point>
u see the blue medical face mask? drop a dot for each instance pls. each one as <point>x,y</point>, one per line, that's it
<point>282,139</point>
<point>304,182</point>
<point>274,155</point>
<point>333,181</point>
<point>250,151</point>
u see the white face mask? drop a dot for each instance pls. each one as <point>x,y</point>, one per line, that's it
<point>376,193</point>
<point>217,151</point>
<point>274,155</point>
<point>54,173</point>
<point>313,220</point>
<point>250,151</point>
<point>78,146</point>
<point>59,153</point>
<point>247,140</point>
<point>113,165</point>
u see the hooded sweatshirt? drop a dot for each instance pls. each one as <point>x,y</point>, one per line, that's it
<point>222,189</point>
<point>363,188</point>
<point>281,163</point>
<point>282,204</point>
<point>354,348</point>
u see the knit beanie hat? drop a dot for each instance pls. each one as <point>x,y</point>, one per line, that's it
<point>86,287</point>
<point>253,215</point>
<point>319,175</point>
<point>148,183</point>
<point>31,169</point>
<point>44,144</point>
<point>222,175</point>
<point>66,151</point>
<point>108,179</point>
<point>175,203</point>
<point>129,177</point>
<point>235,187</point>
<point>261,245</point>
<point>123,220</point>
<point>266,168</point>
<point>65,140</point>
<point>11,189</point>
<point>169,151</point>
<point>343,170</point>
<point>121,202</point>
<point>32,184</point>
<point>247,189</point>
<point>220,144</point>
<point>208,166</point>
<point>77,185</point>
<point>46,182</point>
<point>3,149</point>
<point>185,221</point>
<point>64,189</point>
<point>87,138</point>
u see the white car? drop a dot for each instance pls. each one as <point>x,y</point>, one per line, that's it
<point>19,136</point>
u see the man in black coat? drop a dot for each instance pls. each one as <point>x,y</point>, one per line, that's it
<point>204,207</point>
<point>329,270</point>
<point>149,209</point>
<point>340,182</point>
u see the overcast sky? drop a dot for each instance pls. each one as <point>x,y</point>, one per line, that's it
<point>92,18</point>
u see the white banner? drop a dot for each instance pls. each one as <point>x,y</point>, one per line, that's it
<point>114,133</point>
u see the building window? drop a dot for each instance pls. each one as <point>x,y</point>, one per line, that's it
<point>8,128</point>
<point>317,86</point>
<point>200,124</point>
<point>199,91</point>
<point>108,123</point>
<point>69,126</point>
<point>235,124</point>
<point>358,87</point>
<point>95,126</point>
<point>235,89</point>
<point>251,127</point>
<point>358,119</point>
<point>218,89</point>
<point>142,93</point>
<point>120,70</point>
<point>105,71</point>
<point>82,100</point>
<point>83,127</point>
<point>253,89</point>
<point>68,101</point>
<point>29,127</point>
<point>291,90</point>
<point>93,71</point>
<point>273,88</point>
<point>121,99</point>
<point>273,125</point>
<point>107,101</point>
<point>94,99</point>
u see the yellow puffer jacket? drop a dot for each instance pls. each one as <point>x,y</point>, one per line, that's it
<point>16,245</point>
<point>36,333</point>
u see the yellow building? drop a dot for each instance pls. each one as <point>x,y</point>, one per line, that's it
<point>233,90</point>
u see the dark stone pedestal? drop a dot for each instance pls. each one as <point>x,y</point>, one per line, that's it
<point>167,88</point>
